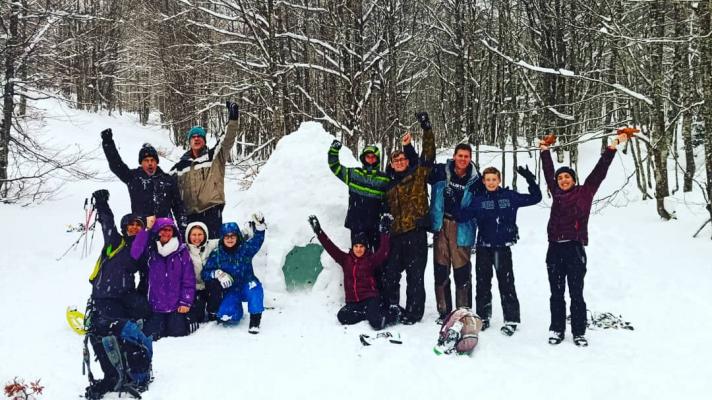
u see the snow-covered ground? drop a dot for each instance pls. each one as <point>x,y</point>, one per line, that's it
<point>651,272</point>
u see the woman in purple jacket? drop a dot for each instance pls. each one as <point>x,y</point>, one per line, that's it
<point>171,277</point>
<point>568,234</point>
<point>362,298</point>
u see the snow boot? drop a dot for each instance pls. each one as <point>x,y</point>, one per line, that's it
<point>556,337</point>
<point>508,329</point>
<point>485,324</point>
<point>255,320</point>
<point>580,341</point>
<point>99,388</point>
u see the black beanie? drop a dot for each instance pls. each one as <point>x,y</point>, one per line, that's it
<point>147,151</point>
<point>360,238</point>
<point>567,170</point>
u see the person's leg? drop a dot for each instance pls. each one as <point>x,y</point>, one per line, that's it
<point>351,313</point>
<point>176,324</point>
<point>375,317</point>
<point>576,271</point>
<point>415,260</point>
<point>214,296</point>
<point>197,310</point>
<point>463,285</point>
<point>441,272</point>
<point>505,280</point>
<point>230,309</point>
<point>392,272</point>
<point>155,325</point>
<point>255,296</point>
<point>556,271</point>
<point>483,279</point>
<point>136,306</point>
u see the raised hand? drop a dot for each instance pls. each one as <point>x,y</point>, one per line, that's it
<point>100,196</point>
<point>233,110</point>
<point>106,134</point>
<point>424,120</point>
<point>526,173</point>
<point>385,224</point>
<point>314,222</point>
<point>336,144</point>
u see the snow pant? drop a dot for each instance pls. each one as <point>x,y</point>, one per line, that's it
<point>566,261</point>
<point>207,299</point>
<point>448,254</point>
<point>369,309</point>
<point>212,218</point>
<point>373,236</point>
<point>230,310</point>
<point>409,253</point>
<point>162,325</point>
<point>501,259</point>
<point>109,314</point>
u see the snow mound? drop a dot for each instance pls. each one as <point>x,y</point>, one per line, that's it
<point>294,183</point>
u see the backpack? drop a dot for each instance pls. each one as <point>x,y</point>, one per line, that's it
<point>125,359</point>
<point>459,332</point>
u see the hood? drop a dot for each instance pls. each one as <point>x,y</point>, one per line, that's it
<point>126,219</point>
<point>371,149</point>
<point>231,227</point>
<point>201,226</point>
<point>163,222</point>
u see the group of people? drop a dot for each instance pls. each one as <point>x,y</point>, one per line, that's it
<point>389,215</point>
<point>192,267</point>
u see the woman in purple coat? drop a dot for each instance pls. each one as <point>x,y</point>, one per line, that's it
<point>568,234</point>
<point>171,277</point>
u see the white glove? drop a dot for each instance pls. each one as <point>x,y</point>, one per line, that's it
<point>259,221</point>
<point>223,277</point>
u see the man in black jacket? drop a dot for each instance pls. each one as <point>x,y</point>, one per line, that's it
<point>152,192</point>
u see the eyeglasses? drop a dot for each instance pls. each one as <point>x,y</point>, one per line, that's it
<point>230,236</point>
<point>399,160</point>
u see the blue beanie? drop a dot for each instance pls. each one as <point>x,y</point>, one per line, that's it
<point>196,131</point>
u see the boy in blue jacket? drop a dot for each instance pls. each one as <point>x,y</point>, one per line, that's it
<point>496,213</point>
<point>231,265</point>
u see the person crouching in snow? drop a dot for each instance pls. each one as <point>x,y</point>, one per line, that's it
<point>171,278</point>
<point>362,298</point>
<point>230,264</point>
<point>207,297</point>
<point>568,234</point>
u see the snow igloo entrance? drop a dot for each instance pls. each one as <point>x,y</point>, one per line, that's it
<point>302,266</point>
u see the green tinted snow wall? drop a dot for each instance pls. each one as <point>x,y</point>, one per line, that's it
<point>301,266</point>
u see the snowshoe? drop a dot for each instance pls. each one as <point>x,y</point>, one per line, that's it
<point>380,337</point>
<point>508,329</point>
<point>580,341</point>
<point>556,337</point>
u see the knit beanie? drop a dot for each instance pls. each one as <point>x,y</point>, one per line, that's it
<point>196,131</point>
<point>147,151</point>
<point>567,170</point>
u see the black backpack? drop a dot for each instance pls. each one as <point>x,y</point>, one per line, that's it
<point>125,359</point>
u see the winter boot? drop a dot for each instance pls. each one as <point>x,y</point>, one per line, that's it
<point>485,325</point>
<point>556,337</point>
<point>255,323</point>
<point>508,329</point>
<point>99,388</point>
<point>580,341</point>
<point>212,317</point>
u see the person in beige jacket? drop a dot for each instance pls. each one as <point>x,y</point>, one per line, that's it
<point>201,174</point>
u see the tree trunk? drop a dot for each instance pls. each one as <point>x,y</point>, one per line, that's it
<point>11,54</point>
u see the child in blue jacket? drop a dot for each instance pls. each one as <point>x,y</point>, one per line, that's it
<point>231,265</point>
<point>496,213</point>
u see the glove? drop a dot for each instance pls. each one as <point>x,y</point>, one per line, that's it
<point>385,225</point>
<point>258,221</point>
<point>233,111</point>
<point>223,277</point>
<point>106,134</point>
<point>423,119</point>
<point>525,173</point>
<point>100,196</point>
<point>336,144</point>
<point>314,222</point>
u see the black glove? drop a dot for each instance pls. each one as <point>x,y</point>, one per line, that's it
<point>525,173</point>
<point>385,225</point>
<point>314,222</point>
<point>336,144</point>
<point>106,134</point>
<point>424,120</point>
<point>233,111</point>
<point>101,196</point>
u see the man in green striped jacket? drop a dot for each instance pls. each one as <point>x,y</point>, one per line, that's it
<point>367,186</point>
